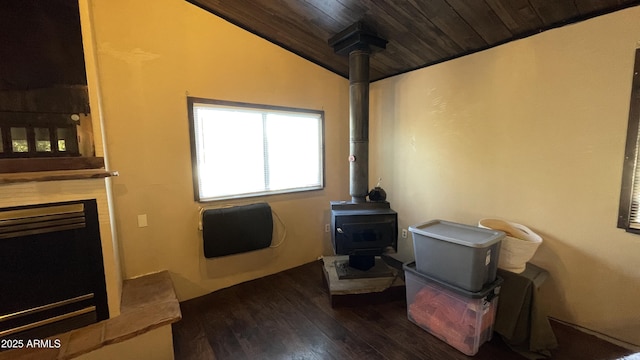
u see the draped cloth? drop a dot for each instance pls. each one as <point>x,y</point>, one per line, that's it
<point>521,320</point>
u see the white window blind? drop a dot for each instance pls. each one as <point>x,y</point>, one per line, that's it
<point>250,150</point>
<point>634,211</point>
<point>629,210</point>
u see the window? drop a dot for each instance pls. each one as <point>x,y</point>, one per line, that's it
<point>41,138</point>
<point>242,150</point>
<point>629,213</point>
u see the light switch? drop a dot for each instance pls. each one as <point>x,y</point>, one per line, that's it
<point>142,220</point>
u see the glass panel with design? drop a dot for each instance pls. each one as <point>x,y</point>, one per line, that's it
<point>19,143</point>
<point>43,140</point>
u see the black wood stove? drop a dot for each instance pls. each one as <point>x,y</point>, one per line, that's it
<point>361,229</point>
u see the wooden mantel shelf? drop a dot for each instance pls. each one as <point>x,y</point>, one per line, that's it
<point>53,169</point>
<point>11,178</point>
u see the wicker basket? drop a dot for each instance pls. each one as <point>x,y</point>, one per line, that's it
<point>518,246</point>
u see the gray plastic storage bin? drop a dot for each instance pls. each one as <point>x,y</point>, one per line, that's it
<point>462,255</point>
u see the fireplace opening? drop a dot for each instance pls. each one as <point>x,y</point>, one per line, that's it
<point>51,269</point>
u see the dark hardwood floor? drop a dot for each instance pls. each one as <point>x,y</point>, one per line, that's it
<point>289,316</point>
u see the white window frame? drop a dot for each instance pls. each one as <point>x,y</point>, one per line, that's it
<point>197,136</point>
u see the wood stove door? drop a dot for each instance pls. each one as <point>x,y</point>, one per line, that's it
<point>365,235</point>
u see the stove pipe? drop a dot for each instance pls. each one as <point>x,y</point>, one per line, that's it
<point>359,125</point>
<point>358,41</point>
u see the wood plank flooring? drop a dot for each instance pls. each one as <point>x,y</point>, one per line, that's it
<point>288,316</point>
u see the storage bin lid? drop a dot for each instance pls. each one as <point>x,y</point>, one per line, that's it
<point>461,234</point>
<point>489,290</point>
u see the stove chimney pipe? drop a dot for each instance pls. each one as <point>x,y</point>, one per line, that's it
<point>357,41</point>
<point>359,125</point>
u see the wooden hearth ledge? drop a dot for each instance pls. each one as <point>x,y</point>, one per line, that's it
<point>148,303</point>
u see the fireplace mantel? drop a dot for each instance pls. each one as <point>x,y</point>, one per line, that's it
<point>12,178</point>
<point>52,169</point>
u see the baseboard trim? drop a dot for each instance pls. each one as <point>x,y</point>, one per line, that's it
<point>621,343</point>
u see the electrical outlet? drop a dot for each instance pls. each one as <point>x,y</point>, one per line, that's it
<point>142,220</point>
<point>327,228</point>
<point>404,233</point>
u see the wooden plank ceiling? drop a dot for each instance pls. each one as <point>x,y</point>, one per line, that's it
<point>420,32</point>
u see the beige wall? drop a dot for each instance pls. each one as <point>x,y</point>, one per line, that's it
<point>532,131</point>
<point>150,56</point>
